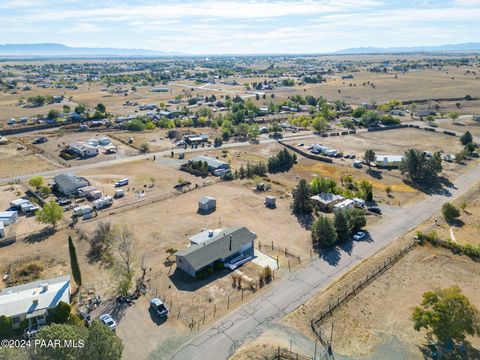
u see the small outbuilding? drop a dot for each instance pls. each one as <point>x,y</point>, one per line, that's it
<point>2,230</point>
<point>206,204</point>
<point>270,202</point>
<point>8,217</point>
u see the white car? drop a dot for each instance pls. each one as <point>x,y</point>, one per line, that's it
<point>108,320</point>
<point>359,235</point>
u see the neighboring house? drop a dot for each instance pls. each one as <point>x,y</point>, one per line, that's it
<point>34,301</point>
<point>424,113</point>
<point>195,139</point>
<point>68,184</point>
<point>83,150</point>
<point>8,217</point>
<point>326,201</point>
<point>213,163</point>
<point>388,161</point>
<point>233,247</point>
<point>207,203</point>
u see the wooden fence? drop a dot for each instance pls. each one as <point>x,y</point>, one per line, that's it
<point>328,312</point>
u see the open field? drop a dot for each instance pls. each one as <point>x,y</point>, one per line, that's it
<point>467,227</point>
<point>361,326</point>
<point>16,160</point>
<point>464,123</point>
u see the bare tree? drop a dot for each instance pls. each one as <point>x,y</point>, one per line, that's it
<point>124,238</point>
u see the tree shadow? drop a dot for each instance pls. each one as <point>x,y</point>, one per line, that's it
<point>305,220</point>
<point>375,174</point>
<point>462,351</point>
<point>440,187</point>
<point>184,282</point>
<point>330,255</point>
<point>39,235</point>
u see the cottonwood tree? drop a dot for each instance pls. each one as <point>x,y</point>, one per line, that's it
<point>124,239</point>
<point>51,214</point>
<point>419,167</point>
<point>369,157</point>
<point>447,315</point>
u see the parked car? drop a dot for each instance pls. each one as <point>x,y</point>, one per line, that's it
<point>107,320</point>
<point>40,140</point>
<point>301,144</point>
<point>359,235</point>
<point>64,202</point>
<point>158,307</point>
<point>357,164</point>
<point>375,209</point>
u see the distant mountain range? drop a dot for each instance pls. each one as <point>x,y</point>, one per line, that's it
<point>465,47</point>
<point>63,50</point>
<point>59,50</point>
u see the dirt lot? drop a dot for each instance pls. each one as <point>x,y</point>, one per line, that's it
<point>16,160</point>
<point>361,325</point>
<point>464,123</point>
<point>58,139</point>
<point>466,229</point>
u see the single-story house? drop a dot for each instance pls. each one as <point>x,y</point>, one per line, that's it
<point>8,217</point>
<point>203,236</point>
<point>2,229</point>
<point>195,139</point>
<point>326,201</point>
<point>424,113</point>
<point>83,150</point>
<point>207,203</point>
<point>68,184</point>
<point>34,300</point>
<point>345,204</point>
<point>213,163</point>
<point>388,161</point>
<point>232,246</point>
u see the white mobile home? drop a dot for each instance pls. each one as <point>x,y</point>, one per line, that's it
<point>8,217</point>
<point>34,300</point>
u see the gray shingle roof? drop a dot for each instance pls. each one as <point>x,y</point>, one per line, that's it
<point>218,247</point>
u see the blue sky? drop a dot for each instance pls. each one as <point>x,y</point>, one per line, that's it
<point>248,26</point>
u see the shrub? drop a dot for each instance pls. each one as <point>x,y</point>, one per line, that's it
<point>61,313</point>
<point>5,327</point>
<point>136,125</point>
<point>267,273</point>
<point>145,147</point>
<point>450,212</point>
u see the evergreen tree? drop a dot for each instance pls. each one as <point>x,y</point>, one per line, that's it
<point>466,138</point>
<point>77,276</point>
<point>341,227</point>
<point>301,200</point>
<point>323,232</point>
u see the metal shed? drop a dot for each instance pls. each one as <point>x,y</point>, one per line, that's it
<point>270,202</point>
<point>207,203</point>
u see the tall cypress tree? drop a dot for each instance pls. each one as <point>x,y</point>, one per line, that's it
<point>77,276</point>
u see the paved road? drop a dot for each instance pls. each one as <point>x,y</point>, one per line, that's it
<point>159,155</point>
<point>246,323</point>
